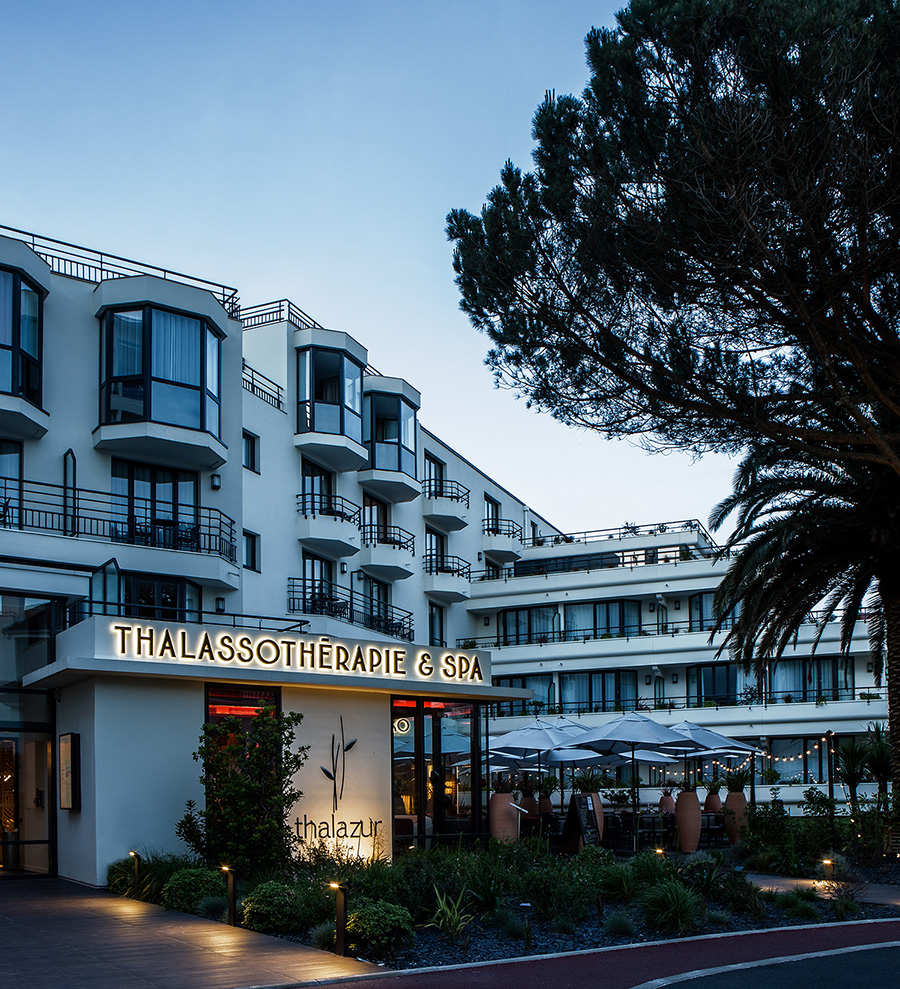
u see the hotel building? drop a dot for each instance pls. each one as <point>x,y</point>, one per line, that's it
<point>206,507</point>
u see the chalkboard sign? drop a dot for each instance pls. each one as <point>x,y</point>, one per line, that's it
<point>581,823</point>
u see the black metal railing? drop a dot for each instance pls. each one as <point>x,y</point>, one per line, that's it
<point>436,563</point>
<point>601,560</point>
<point>623,532</point>
<point>501,527</point>
<point>499,641</point>
<point>328,505</point>
<point>307,596</point>
<point>388,535</point>
<point>452,490</point>
<point>263,387</point>
<point>79,512</point>
<point>275,312</point>
<point>95,266</point>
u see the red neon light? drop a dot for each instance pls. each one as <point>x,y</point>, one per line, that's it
<point>435,704</point>
<point>236,711</point>
<point>404,703</point>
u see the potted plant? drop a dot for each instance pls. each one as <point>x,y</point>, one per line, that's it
<point>503,815</point>
<point>735,802</point>
<point>546,788</point>
<point>528,800</point>
<point>666,800</point>
<point>589,781</point>
<point>713,802</point>
<point>688,817</point>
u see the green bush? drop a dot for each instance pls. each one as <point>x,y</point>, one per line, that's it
<point>648,869</point>
<point>323,936</point>
<point>557,889</point>
<point>213,908</point>
<point>670,906</point>
<point>619,924</point>
<point>378,930</point>
<point>719,918</point>
<point>616,883</point>
<point>273,908</point>
<point>187,887</point>
<point>156,870</point>
<point>735,891</point>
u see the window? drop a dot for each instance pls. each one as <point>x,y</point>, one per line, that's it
<point>224,701</point>
<point>160,366</point>
<point>20,338</point>
<point>436,625</point>
<point>602,619</point>
<point>541,684</point>
<point>251,551</point>
<point>10,481</point>
<point>491,515</point>
<point>434,469</point>
<point>389,431</point>
<point>159,598</point>
<point>316,488</point>
<point>716,684</point>
<point>377,602</point>
<point>250,451</point>
<point>524,625</point>
<point>329,393</point>
<point>376,519</point>
<point>702,615</point>
<point>612,690</point>
<point>154,506</point>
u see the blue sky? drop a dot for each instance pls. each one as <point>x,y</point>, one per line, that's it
<point>312,150</point>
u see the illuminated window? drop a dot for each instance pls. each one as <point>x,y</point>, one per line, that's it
<point>239,702</point>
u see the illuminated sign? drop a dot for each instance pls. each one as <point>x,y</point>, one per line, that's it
<point>275,651</point>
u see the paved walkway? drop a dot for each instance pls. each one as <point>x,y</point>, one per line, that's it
<point>57,935</point>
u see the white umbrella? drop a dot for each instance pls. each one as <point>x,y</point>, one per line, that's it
<point>629,733</point>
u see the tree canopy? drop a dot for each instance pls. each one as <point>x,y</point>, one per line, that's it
<point>708,249</point>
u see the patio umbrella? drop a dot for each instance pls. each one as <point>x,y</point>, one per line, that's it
<point>629,733</point>
<point>537,737</point>
<point>713,743</point>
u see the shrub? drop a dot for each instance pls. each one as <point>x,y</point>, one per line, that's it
<point>187,887</point>
<point>616,883</point>
<point>702,873</point>
<point>803,910</point>
<point>449,917</point>
<point>323,936</point>
<point>155,871</point>
<point>379,930</point>
<point>648,869</point>
<point>718,918</point>
<point>735,891</point>
<point>213,907</point>
<point>670,906</point>
<point>619,924</point>
<point>557,889</point>
<point>273,908</point>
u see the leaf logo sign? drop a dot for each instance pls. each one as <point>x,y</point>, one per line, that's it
<point>338,769</point>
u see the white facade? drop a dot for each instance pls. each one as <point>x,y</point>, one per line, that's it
<point>167,456</point>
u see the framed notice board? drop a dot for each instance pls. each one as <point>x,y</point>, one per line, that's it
<point>581,823</point>
<point>70,771</point>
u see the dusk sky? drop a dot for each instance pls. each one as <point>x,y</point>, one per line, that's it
<point>311,151</point>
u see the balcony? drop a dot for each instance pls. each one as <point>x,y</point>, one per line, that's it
<point>502,540</point>
<point>387,552</point>
<point>263,387</point>
<point>191,448</point>
<point>392,486</point>
<point>32,506</point>
<point>328,525</point>
<point>318,436</point>
<point>446,578</point>
<point>445,505</point>
<point>322,597</point>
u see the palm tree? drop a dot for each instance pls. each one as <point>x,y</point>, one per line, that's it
<point>813,536</point>
<point>878,750</point>
<point>852,768</point>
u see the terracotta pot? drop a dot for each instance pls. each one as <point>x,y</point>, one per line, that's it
<point>545,806</point>
<point>712,804</point>
<point>667,804</point>
<point>504,817</point>
<point>688,820</point>
<point>530,804</point>
<point>735,813</point>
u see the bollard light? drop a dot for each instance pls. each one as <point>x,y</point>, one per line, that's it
<point>137,872</point>
<point>231,894</point>
<point>340,918</point>
<point>829,869</point>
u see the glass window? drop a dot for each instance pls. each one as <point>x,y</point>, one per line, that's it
<point>224,701</point>
<point>250,450</point>
<point>20,338</point>
<point>390,433</point>
<point>159,598</point>
<point>329,393</point>
<point>154,506</point>
<point>436,625</point>
<point>251,551</point>
<point>181,378</point>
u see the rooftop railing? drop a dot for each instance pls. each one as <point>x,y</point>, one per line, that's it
<point>276,312</point>
<point>263,387</point>
<point>307,596</point>
<point>95,266</point>
<point>626,531</point>
<point>80,513</point>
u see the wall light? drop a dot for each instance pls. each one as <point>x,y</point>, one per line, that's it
<point>343,567</point>
<point>674,678</point>
<point>487,619</point>
<point>678,604</point>
<point>215,481</point>
<point>651,606</point>
<point>648,679</point>
<point>870,667</point>
<point>220,606</point>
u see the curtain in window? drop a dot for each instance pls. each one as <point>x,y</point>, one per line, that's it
<point>543,622</point>
<point>542,687</point>
<point>628,690</point>
<point>632,617</point>
<point>579,621</point>
<point>127,344</point>
<point>6,308</point>
<point>787,680</point>
<point>574,690</point>
<point>176,347</point>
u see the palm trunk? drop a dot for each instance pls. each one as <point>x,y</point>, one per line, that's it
<point>890,601</point>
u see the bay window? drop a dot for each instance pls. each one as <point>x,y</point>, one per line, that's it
<point>160,366</point>
<point>329,393</point>
<point>20,338</point>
